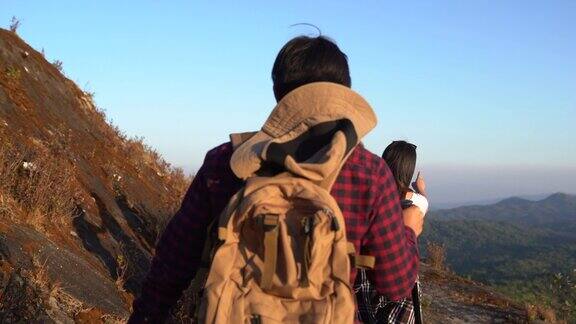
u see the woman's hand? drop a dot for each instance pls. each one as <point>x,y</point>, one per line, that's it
<point>414,219</point>
<point>419,185</point>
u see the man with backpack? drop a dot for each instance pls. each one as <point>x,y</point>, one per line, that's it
<point>275,221</point>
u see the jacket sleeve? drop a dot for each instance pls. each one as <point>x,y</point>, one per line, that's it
<point>393,244</point>
<point>177,256</point>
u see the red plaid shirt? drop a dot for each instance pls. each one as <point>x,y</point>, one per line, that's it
<point>365,191</point>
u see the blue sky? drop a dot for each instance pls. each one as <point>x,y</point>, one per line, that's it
<point>477,85</point>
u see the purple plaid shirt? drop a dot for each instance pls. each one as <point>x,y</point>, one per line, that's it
<point>365,191</point>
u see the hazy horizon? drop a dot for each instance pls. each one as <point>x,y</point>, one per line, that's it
<point>485,90</point>
<point>458,185</point>
<point>451,185</point>
<point>462,185</point>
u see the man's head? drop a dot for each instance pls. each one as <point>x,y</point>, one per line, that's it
<point>305,60</point>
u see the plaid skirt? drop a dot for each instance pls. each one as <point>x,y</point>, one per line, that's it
<point>373,308</point>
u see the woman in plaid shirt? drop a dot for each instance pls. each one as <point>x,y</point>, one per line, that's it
<point>372,307</point>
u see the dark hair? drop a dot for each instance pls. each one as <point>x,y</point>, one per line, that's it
<point>305,60</point>
<point>401,159</point>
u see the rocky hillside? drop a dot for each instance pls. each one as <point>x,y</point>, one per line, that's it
<point>448,298</point>
<point>81,206</point>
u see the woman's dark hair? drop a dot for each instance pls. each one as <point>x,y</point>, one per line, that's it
<point>401,159</point>
<point>305,60</point>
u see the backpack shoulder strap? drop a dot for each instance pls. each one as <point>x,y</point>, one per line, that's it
<point>215,234</point>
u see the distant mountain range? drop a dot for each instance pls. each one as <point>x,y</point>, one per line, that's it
<point>522,246</point>
<point>482,202</point>
<point>558,207</point>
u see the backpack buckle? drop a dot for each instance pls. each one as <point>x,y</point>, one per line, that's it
<point>268,221</point>
<point>255,319</point>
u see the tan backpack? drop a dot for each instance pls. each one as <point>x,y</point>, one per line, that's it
<point>279,252</point>
<point>283,257</point>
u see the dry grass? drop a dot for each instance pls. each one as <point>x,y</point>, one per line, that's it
<point>9,165</point>
<point>185,309</point>
<point>13,73</point>
<point>59,65</point>
<point>41,185</point>
<point>39,274</point>
<point>11,82</point>
<point>60,300</point>
<point>532,312</point>
<point>142,157</point>
<point>41,169</point>
<point>57,299</point>
<point>436,255</point>
<point>19,299</point>
<point>5,207</point>
<point>141,154</point>
<point>542,313</point>
<point>14,24</point>
<point>65,301</point>
<point>121,271</point>
<point>110,319</point>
